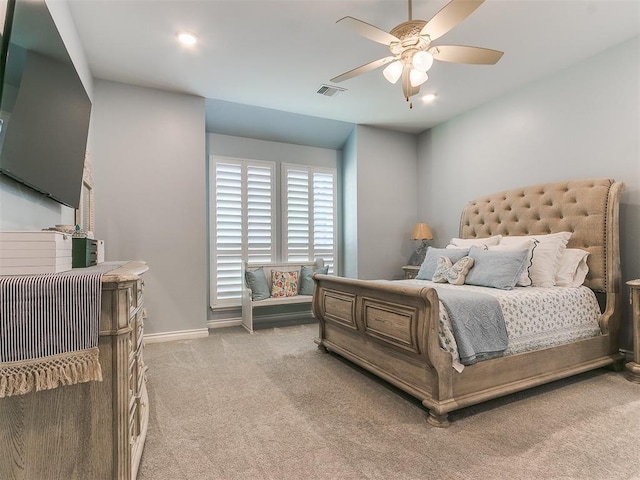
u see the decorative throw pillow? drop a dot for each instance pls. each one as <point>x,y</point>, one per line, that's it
<point>284,284</point>
<point>546,256</point>
<point>306,282</point>
<point>454,274</point>
<point>257,282</point>
<point>525,277</point>
<point>496,269</point>
<point>573,268</point>
<point>428,267</point>
<point>474,242</point>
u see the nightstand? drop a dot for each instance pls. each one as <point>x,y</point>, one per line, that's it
<point>634,366</point>
<point>410,271</point>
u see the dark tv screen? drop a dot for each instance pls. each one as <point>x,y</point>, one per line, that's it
<point>44,109</point>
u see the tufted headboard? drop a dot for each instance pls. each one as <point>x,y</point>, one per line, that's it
<point>587,208</point>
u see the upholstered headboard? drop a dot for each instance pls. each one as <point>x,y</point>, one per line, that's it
<point>587,208</point>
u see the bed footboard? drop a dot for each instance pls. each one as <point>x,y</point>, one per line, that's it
<point>390,330</point>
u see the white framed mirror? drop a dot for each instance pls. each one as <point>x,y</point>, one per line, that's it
<point>84,214</point>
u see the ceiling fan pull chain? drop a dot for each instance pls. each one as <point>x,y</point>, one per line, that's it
<point>410,103</point>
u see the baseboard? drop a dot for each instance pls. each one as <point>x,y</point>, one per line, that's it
<point>179,335</point>
<point>262,320</point>
<point>227,322</point>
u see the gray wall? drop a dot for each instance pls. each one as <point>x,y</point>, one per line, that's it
<point>24,209</point>
<point>582,122</point>
<point>386,206</point>
<point>242,147</point>
<point>349,194</point>
<point>148,154</point>
<point>64,22</point>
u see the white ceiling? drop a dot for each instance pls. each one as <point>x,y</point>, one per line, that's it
<point>275,54</point>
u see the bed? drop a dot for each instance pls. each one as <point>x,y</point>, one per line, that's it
<point>392,328</point>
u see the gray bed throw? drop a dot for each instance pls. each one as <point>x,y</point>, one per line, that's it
<point>477,323</point>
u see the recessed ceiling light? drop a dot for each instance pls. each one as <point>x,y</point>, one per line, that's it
<point>187,38</point>
<point>429,97</point>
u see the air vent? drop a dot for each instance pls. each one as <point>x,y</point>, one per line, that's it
<point>330,91</point>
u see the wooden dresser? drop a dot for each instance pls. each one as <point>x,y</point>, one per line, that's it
<point>93,430</point>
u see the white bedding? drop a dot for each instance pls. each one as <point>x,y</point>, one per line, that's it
<point>535,317</point>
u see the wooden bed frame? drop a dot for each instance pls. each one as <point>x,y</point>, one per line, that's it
<point>392,330</point>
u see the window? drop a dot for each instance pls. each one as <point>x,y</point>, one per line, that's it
<point>309,220</point>
<point>244,219</point>
<point>242,214</point>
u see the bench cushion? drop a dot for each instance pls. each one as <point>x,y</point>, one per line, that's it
<point>283,300</point>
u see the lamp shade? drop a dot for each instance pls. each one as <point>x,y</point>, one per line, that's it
<point>421,231</point>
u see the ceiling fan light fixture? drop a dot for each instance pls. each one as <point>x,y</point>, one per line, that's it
<point>422,61</point>
<point>412,53</point>
<point>417,77</point>
<point>393,71</point>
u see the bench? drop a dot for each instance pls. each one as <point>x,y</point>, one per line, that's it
<point>248,304</point>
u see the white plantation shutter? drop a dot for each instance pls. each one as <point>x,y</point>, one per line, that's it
<point>228,231</point>
<point>260,214</point>
<point>309,219</point>
<point>297,216</point>
<point>242,216</point>
<point>324,218</point>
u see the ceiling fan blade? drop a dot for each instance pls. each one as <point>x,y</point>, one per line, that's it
<point>449,16</point>
<point>369,31</point>
<point>407,88</point>
<point>462,54</point>
<point>363,69</point>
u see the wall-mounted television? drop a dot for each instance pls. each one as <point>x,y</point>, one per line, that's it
<point>44,107</point>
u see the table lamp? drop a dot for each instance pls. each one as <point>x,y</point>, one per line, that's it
<point>421,231</point>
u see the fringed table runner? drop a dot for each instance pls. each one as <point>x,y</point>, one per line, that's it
<point>49,327</point>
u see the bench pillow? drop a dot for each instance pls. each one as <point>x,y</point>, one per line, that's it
<point>257,282</point>
<point>306,282</point>
<point>284,284</point>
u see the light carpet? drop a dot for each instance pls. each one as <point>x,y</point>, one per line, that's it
<point>269,405</point>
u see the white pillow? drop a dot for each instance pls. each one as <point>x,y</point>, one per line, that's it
<point>573,268</point>
<point>474,242</point>
<point>546,255</point>
<point>524,280</point>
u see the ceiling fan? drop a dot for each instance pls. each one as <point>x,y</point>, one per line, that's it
<point>412,53</point>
